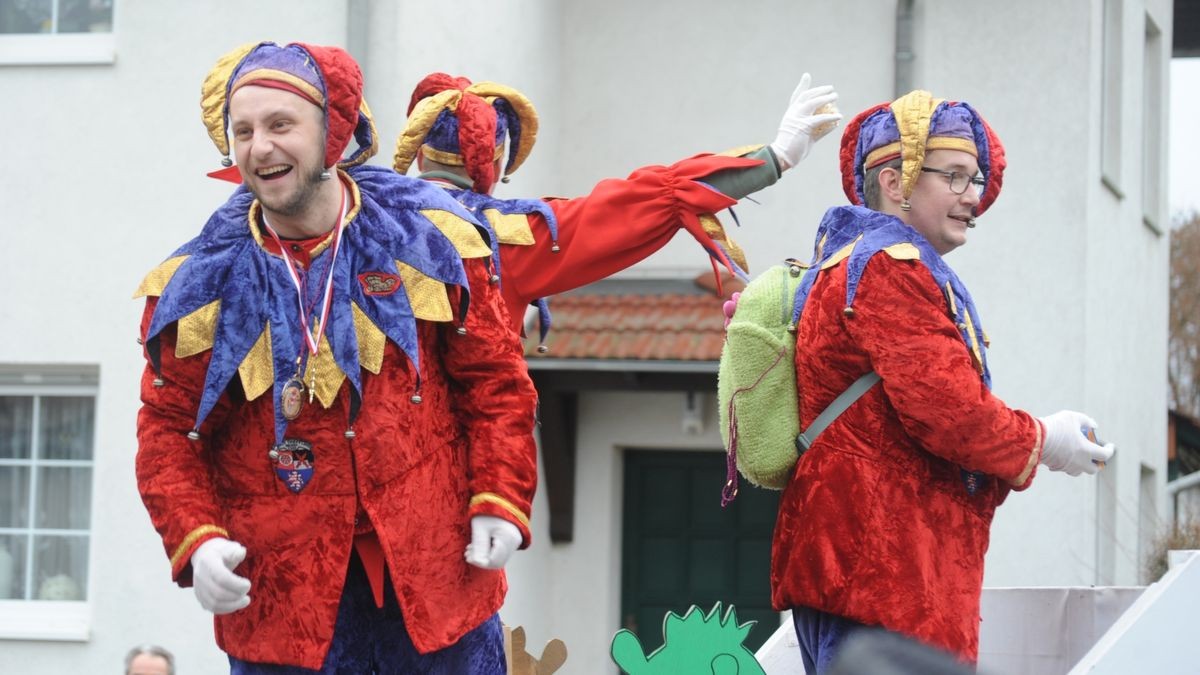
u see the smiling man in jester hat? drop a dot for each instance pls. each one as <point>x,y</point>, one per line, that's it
<point>885,519</point>
<point>336,415</point>
<point>465,136</point>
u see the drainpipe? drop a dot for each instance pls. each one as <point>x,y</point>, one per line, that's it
<point>358,18</point>
<point>905,56</point>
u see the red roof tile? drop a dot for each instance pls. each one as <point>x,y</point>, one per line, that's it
<point>663,326</point>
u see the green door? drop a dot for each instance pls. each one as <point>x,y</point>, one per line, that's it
<point>681,548</point>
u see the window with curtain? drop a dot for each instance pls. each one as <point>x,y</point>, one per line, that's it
<point>46,456</point>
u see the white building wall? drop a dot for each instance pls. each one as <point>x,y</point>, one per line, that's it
<point>651,83</point>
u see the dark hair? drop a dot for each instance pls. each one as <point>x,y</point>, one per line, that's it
<point>152,650</point>
<point>871,194</point>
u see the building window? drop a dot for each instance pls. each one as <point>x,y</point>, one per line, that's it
<point>1152,107</point>
<point>1110,111</point>
<point>47,422</point>
<point>56,32</point>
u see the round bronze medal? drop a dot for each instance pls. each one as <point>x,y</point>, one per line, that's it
<point>291,399</point>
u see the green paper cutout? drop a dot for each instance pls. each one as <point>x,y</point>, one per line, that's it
<point>694,644</point>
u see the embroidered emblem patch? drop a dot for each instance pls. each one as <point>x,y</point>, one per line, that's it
<point>293,461</point>
<point>379,283</point>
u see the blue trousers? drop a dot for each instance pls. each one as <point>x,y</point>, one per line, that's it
<point>368,640</point>
<point>821,635</point>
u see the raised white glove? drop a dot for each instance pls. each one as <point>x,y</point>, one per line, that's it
<point>218,589</point>
<point>493,540</point>
<point>804,123</point>
<point>1067,449</point>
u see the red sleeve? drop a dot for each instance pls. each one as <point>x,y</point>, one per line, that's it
<point>496,400</point>
<point>172,470</point>
<point>902,321</point>
<point>620,223</point>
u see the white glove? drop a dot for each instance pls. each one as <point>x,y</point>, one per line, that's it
<point>810,115</point>
<point>493,540</point>
<point>1067,449</point>
<point>218,589</point>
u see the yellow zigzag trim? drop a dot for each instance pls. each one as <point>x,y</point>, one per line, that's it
<point>714,229</point>
<point>841,255</point>
<point>323,375</point>
<point>903,251</point>
<point>158,278</point>
<point>462,233</point>
<point>511,228</point>
<point>371,341</point>
<point>196,330</point>
<point>257,370</point>
<point>974,340</point>
<point>740,151</point>
<point>426,295</point>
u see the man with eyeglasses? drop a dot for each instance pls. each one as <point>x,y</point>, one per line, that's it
<point>885,520</point>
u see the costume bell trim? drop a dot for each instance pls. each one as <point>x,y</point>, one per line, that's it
<point>473,115</point>
<point>852,235</point>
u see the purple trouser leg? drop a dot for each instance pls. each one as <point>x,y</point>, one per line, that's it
<point>368,640</point>
<point>820,635</point>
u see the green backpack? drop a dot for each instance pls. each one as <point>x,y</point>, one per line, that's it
<point>756,384</point>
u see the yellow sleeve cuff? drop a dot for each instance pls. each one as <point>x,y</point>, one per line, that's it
<point>190,539</point>
<point>493,498</point>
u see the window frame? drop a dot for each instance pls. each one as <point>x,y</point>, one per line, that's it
<point>1111,91</point>
<point>58,49</point>
<point>53,620</point>
<point>1153,102</point>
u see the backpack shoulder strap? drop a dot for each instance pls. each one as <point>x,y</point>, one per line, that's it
<point>844,400</point>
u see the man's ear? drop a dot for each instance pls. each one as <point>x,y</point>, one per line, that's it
<point>890,185</point>
<point>420,161</point>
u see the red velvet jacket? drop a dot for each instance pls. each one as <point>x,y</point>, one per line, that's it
<point>419,471</point>
<point>876,524</point>
<point>618,224</point>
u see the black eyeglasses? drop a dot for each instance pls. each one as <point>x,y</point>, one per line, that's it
<point>959,181</point>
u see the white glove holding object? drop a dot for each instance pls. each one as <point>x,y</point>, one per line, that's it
<point>493,540</point>
<point>810,115</point>
<point>218,589</point>
<point>1067,449</point>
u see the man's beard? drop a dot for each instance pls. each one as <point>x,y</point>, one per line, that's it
<point>300,200</point>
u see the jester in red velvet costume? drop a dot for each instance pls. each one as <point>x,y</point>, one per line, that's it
<point>885,520</point>
<point>334,405</point>
<point>457,130</point>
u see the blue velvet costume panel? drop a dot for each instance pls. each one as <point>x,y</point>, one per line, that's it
<point>225,263</point>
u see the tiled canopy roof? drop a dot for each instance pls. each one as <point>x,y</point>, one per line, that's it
<point>638,320</point>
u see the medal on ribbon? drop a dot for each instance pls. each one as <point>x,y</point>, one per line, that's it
<point>291,397</point>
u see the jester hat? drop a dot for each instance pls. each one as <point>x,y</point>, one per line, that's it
<point>327,77</point>
<point>458,123</point>
<point>907,128</point>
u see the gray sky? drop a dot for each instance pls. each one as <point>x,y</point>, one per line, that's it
<point>1184,149</point>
